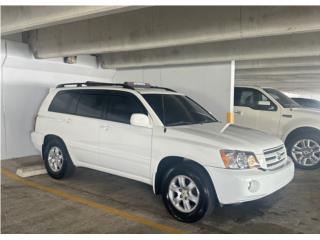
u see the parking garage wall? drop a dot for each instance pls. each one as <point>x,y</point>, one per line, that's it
<point>209,84</point>
<point>25,81</point>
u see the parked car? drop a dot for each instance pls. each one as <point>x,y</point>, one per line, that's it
<point>271,111</point>
<point>307,102</point>
<point>162,138</point>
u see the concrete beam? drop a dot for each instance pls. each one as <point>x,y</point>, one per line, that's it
<point>279,62</point>
<point>309,82</point>
<point>168,26</point>
<point>306,44</point>
<point>278,71</point>
<point>297,77</point>
<point>16,19</point>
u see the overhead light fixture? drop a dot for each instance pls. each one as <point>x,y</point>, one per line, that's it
<point>70,60</point>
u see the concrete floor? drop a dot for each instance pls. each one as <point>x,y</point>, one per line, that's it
<point>26,209</point>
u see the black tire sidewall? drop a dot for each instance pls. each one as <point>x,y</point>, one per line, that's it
<point>203,187</point>
<point>294,139</point>
<point>67,166</point>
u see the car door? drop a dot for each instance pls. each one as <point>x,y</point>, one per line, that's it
<point>244,114</point>
<point>125,149</point>
<point>83,130</point>
<point>254,109</point>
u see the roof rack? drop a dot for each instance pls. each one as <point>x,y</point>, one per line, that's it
<point>146,85</point>
<point>92,83</point>
<point>128,85</point>
<point>164,88</point>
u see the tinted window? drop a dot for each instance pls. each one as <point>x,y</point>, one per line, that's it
<point>174,110</point>
<point>122,106</point>
<point>249,97</point>
<point>64,102</point>
<point>91,104</point>
<point>156,102</point>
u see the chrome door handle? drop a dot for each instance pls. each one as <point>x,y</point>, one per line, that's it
<point>66,120</point>
<point>104,127</point>
<point>237,111</point>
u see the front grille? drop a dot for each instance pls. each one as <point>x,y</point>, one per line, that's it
<point>275,157</point>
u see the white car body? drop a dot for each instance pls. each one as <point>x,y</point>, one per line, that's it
<point>281,122</point>
<point>135,152</point>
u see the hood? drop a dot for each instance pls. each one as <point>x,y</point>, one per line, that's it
<point>306,110</point>
<point>310,113</point>
<point>226,136</point>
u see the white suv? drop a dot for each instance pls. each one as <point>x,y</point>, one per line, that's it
<point>269,110</point>
<point>162,138</point>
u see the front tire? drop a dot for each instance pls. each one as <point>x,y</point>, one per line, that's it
<point>304,149</point>
<point>187,193</point>
<point>57,160</point>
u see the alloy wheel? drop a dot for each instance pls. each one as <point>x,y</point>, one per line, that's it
<point>55,159</point>
<point>306,152</point>
<point>183,193</point>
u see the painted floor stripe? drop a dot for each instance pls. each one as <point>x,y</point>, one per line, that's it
<point>92,204</point>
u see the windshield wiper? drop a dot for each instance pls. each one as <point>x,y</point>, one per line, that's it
<point>180,123</point>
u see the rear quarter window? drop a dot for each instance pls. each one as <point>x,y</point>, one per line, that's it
<point>64,102</point>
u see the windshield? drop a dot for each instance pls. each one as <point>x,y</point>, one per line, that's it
<point>175,110</point>
<point>281,98</point>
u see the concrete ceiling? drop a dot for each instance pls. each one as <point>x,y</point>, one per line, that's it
<point>15,19</point>
<point>277,46</point>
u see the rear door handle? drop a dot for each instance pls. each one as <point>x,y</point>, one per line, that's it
<point>66,120</point>
<point>105,127</point>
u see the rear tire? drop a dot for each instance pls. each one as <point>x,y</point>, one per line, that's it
<point>57,159</point>
<point>304,149</point>
<point>197,190</point>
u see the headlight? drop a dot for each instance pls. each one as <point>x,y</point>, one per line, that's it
<point>239,159</point>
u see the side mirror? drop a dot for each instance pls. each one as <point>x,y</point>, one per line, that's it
<point>264,103</point>
<point>139,119</point>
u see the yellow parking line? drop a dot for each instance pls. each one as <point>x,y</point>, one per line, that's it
<point>92,204</point>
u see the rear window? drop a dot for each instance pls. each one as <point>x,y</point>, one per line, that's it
<point>64,102</point>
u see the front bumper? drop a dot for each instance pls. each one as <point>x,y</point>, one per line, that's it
<point>236,186</point>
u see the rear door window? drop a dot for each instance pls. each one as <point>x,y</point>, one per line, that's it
<point>91,104</point>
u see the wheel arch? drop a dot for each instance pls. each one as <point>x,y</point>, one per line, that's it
<point>300,130</point>
<point>49,137</point>
<point>168,163</point>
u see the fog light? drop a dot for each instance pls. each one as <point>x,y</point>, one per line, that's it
<point>253,186</point>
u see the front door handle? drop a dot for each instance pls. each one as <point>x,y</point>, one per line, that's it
<point>238,112</point>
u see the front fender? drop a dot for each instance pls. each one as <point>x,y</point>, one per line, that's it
<point>164,146</point>
<point>298,123</point>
